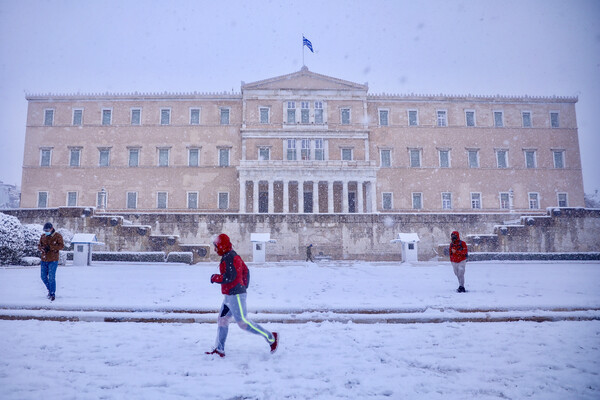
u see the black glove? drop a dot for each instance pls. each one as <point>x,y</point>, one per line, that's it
<point>46,248</point>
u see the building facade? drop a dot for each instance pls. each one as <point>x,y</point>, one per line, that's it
<point>301,143</point>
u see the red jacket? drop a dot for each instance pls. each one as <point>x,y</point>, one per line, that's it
<point>234,275</point>
<point>461,252</point>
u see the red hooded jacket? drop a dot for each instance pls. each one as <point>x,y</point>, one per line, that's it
<point>461,252</point>
<point>234,275</point>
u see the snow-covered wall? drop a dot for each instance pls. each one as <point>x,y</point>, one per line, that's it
<point>339,236</point>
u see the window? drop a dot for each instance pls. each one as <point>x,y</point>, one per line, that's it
<point>291,112</point>
<point>45,157</point>
<point>559,158</point>
<point>305,150</point>
<point>417,201</point>
<point>526,117</point>
<point>162,200</point>
<point>530,161</point>
<point>136,116</point>
<point>498,119</point>
<point>77,117</point>
<point>75,157</point>
<point>264,153</point>
<point>562,200</point>
<point>444,158</point>
<point>106,116</point>
<point>304,112</point>
<point>383,117</point>
<point>264,115</point>
<point>319,150</point>
<point>193,157</point>
<point>476,201</point>
<point>42,200</point>
<point>447,201</point>
<point>134,157</point>
<point>194,116</point>
<point>71,199</point>
<point>442,118</point>
<point>165,116</point>
<point>291,149</point>
<point>534,202</point>
<point>386,158</point>
<point>192,200</point>
<point>501,158</point>
<point>386,201</point>
<point>413,119</point>
<point>554,123</point>
<point>223,200</point>
<point>104,157</point>
<point>223,157</point>
<point>48,117</point>
<point>132,200</point>
<point>347,154</point>
<point>163,157</point>
<point>318,112</point>
<point>224,116</point>
<point>101,199</point>
<point>470,118</point>
<point>345,116</point>
<point>504,200</point>
<point>415,158</point>
<point>473,158</point>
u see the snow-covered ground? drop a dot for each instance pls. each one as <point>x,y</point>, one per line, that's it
<point>316,360</point>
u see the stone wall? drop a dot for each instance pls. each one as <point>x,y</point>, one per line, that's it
<point>339,236</point>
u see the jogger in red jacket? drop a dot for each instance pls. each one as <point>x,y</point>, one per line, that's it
<point>234,278</point>
<point>458,258</point>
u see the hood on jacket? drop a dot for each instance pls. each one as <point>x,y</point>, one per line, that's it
<point>223,244</point>
<point>457,235</point>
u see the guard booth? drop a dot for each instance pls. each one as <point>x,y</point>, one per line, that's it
<point>82,248</point>
<point>259,244</point>
<point>409,242</point>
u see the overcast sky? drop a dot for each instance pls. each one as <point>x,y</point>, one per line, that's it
<point>534,47</point>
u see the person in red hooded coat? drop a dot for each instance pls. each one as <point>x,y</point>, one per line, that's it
<point>234,278</point>
<point>458,257</point>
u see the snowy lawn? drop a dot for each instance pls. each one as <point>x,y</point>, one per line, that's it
<point>328,360</point>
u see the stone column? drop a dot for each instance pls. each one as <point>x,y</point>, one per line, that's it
<point>286,196</point>
<point>373,196</point>
<point>271,208</point>
<point>330,208</point>
<point>299,190</point>
<point>242,196</point>
<point>315,197</point>
<point>359,194</point>
<point>344,196</point>
<point>255,196</point>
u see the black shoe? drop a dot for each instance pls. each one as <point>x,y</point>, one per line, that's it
<point>461,289</point>
<point>52,297</point>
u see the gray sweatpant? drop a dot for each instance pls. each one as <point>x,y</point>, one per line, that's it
<point>234,306</point>
<point>459,271</point>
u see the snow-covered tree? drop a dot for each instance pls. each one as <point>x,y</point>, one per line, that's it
<point>592,200</point>
<point>12,240</point>
<point>32,234</point>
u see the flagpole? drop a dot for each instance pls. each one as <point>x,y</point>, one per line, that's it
<point>303,49</point>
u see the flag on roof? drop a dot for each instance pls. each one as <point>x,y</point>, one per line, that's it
<point>307,43</point>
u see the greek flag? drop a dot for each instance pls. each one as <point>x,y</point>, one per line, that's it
<point>307,43</point>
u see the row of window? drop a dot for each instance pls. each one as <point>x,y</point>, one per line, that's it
<point>504,199</point>
<point>162,200</point>
<point>163,157</point>
<point>131,200</point>
<point>304,116</point>
<point>470,118</point>
<point>473,158</point>
<point>311,149</point>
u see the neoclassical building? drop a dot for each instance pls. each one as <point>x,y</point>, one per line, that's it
<point>301,143</point>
